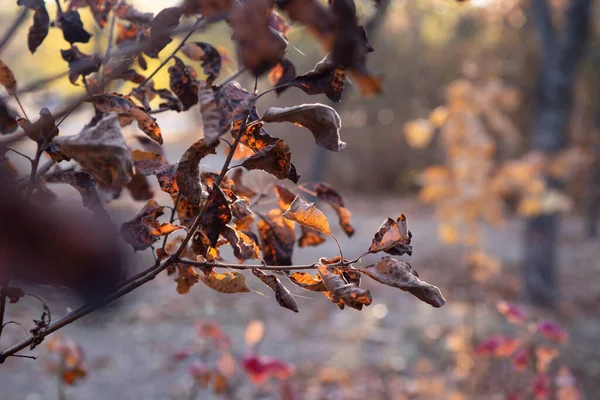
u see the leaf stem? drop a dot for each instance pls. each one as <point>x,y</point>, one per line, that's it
<point>20,105</point>
<point>34,166</point>
<point>107,54</point>
<point>248,266</point>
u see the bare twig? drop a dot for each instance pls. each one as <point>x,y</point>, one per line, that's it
<point>249,266</point>
<point>34,165</point>
<point>107,54</point>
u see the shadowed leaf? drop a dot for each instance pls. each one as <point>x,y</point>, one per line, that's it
<point>400,274</point>
<point>43,129</point>
<point>101,150</point>
<point>160,29</point>
<point>243,246</point>
<point>85,185</point>
<point>310,237</point>
<point>323,122</point>
<point>282,73</point>
<point>139,187</point>
<point>217,215</point>
<point>188,170</point>
<point>39,30</point>
<point>8,119</point>
<point>72,27</point>
<point>308,215</point>
<point>137,231</point>
<point>282,294</point>
<point>227,282</point>
<point>129,13</point>
<point>350,294</point>
<point>326,78</point>
<point>208,8</point>
<point>277,237</point>
<point>393,237</point>
<point>80,64</point>
<point>274,159</point>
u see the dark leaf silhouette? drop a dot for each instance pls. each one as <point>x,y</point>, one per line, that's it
<point>85,185</point>
<point>123,104</point>
<point>44,129</point>
<point>274,159</point>
<point>282,73</point>
<point>138,231</point>
<point>140,188</point>
<point>31,4</point>
<point>72,27</point>
<point>208,56</point>
<point>8,119</point>
<point>326,78</point>
<point>183,83</point>
<point>393,237</point>
<point>400,274</point>
<point>323,122</point>
<point>101,150</point>
<point>282,294</point>
<point>277,237</point>
<point>311,13</point>
<point>80,64</point>
<point>217,214</point>
<point>260,46</point>
<point>188,170</point>
<point>39,30</point>
<point>160,29</point>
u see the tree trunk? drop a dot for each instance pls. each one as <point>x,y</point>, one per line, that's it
<point>560,57</point>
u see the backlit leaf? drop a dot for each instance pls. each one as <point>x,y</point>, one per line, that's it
<point>188,170</point>
<point>400,274</point>
<point>217,215</point>
<point>243,246</point>
<point>183,83</point>
<point>307,281</point>
<point>101,150</point>
<point>227,282</point>
<point>328,194</point>
<point>326,78</point>
<point>282,294</point>
<point>122,104</point>
<point>277,236</point>
<point>350,294</point>
<point>186,278</point>
<point>208,55</point>
<point>274,159</point>
<point>7,79</point>
<point>310,237</point>
<point>323,122</point>
<point>282,73</point>
<point>138,231</point>
<point>285,197</point>
<point>307,214</point>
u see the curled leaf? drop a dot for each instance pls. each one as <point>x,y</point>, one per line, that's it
<point>400,274</point>
<point>393,237</point>
<point>349,293</point>
<point>274,159</point>
<point>243,246</point>
<point>282,294</point>
<point>277,236</point>
<point>310,237</point>
<point>307,281</point>
<point>208,55</point>
<point>138,230</point>
<point>160,30</point>
<point>308,215</point>
<point>328,194</point>
<point>101,150</point>
<point>122,104</point>
<point>44,129</point>
<point>72,27</point>
<point>326,78</point>
<point>281,74</point>
<point>323,122</point>
<point>80,64</point>
<point>188,170</point>
<point>227,282</point>
<point>217,215</point>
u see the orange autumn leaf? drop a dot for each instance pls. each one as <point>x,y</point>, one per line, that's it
<point>307,214</point>
<point>226,282</point>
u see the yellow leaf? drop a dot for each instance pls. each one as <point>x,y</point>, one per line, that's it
<point>307,214</point>
<point>227,282</point>
<point>254,332</point>
<point>418,133</point>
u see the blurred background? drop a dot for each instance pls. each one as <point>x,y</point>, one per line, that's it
<point>487,136</point>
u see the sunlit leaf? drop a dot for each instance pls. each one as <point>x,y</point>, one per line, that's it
<point>227,282</point>
<point>400,274</point>
<point>186,278</point>
<point>328,194</point>
<point>274,159</point>
<point>243,246</point>
<point>310,237</point>
<point>281,74</point>
<point>323,122</point>
<point>308,215</point>
<point>138,231</point>
<point>282,294</point>
<point>326,78</point>
<point>350,294</point>
<point>307,281</point>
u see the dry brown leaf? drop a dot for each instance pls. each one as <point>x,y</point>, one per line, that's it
<point>307,281</point>
<point>307,214</point>
<point>208,55</point>
<point>7,78</point>
<point>349,293</point>
<point>310,237</point>
<point>331,196</point>
<point>400,274</point>
<point>277,236</point>
<point>43,129</point>
<point>282,294</point>
<point>147,162</point>
<point>227,282</point>
<point>186,278</point>
<point>101,150</point>
<point>323,122</point>
<point>392,237</point>
<point>243,246</point>
<point>188,170</point>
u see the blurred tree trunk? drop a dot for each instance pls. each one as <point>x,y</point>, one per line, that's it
<point>561,53</point>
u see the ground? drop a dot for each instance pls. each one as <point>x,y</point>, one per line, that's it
<point>384,352</point>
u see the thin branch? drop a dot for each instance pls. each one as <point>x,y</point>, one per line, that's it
<point>107,54</point>
<point>15,25</point>
<point>249,266</point>
<point>199,22</point>
<point>338,245</point>
<point>3,304</point>
<point>19,153</point>
<point>34,165</point>
<point>231,77</point>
